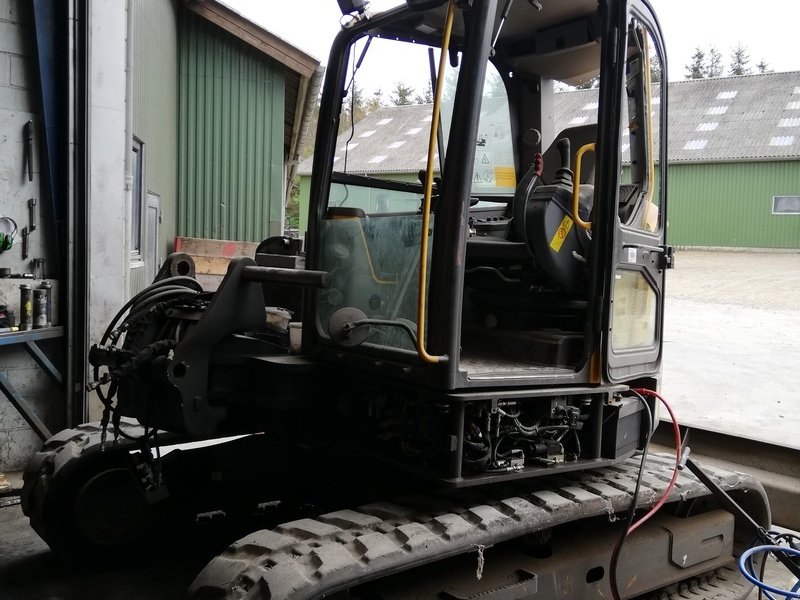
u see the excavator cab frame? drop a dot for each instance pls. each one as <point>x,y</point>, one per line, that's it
<point>376,319</point>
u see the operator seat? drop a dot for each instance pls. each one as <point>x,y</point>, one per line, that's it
<point>540,236</point>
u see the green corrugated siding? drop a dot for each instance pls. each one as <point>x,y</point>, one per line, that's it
<point>731,205</point>
<point>155,100</point>
<point>231,166</point>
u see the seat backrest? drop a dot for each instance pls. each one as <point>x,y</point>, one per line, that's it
<point>578,136</point>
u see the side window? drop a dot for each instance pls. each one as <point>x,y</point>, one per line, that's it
<point>640,188</point>
<point>136,197</point>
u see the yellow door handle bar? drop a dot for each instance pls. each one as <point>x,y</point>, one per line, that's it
<point>576,186</point>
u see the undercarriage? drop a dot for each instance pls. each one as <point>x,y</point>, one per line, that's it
<point>548,537</point>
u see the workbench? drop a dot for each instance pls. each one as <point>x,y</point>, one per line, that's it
<point>29,340</point>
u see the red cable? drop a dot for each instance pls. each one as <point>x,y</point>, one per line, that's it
<point>676,430</point>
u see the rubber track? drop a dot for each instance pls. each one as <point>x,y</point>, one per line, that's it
<point>57,457</point>
<point>311,558</point>
<point>723,584</point>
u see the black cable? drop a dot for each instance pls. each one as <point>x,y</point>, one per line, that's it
<point>612,575</point>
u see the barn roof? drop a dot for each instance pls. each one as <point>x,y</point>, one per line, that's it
<point>725,119</point>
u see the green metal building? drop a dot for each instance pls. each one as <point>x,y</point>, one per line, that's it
<point>733,151</point>
<point>218,106</point>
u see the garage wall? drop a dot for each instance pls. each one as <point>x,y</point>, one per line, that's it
<point>19,104</point>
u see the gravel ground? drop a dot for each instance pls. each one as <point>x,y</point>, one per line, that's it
<point>732,343</point>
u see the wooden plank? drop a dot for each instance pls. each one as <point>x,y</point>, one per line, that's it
<point>211,265</point>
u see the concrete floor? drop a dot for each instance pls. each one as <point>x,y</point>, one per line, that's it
<point>29,571</point>
<point>732,341</point>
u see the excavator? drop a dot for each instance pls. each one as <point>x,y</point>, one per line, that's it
<point>449,388</point>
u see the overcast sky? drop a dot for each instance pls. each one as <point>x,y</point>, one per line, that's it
<point>767,28</point>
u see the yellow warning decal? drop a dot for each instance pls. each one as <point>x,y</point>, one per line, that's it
<point>505,177</point>
<point>561,233</point>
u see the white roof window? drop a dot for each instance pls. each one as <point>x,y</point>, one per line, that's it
<point>695,144</point>
<point>782,140</point>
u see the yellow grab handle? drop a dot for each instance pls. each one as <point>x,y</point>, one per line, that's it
<point>576,186</point>
<point>422,296</point>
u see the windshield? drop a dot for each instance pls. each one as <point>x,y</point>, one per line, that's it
<point>384,134</point>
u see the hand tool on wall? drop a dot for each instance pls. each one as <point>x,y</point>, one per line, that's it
<point>24,243</point>
<point>32,214</point>
<point>27,132</point>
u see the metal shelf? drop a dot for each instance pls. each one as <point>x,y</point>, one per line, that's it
<point>29,340</point>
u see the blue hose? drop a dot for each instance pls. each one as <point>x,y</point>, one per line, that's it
<point>747,569</point>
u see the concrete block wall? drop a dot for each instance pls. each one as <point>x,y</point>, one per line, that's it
<point>18,105</point>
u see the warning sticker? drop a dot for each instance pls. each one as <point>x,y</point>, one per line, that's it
<point>505,176</point>
<point>561,233</point>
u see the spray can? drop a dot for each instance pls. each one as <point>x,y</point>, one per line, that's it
<point>39,308</point>
<point>25,307</point>
<point>48,290</point>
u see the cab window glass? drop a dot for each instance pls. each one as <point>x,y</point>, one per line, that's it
<point>640,191</point>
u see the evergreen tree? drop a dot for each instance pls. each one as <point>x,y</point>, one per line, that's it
<point>714,65</point>
<point>589,84</point>
<point>426,97</point>
<point>656,71</point>
<point>494,87</point>
<point>375,102</point>
<point>696,69</point>
<point>353,108</point>
<point>739,61</point>
<point>763,67</point>
<point>402,94</point>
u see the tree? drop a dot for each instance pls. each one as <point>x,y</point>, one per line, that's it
<point>375,102</point>
<point>763,67</point>
<point>426,97</point>
<point>656,71</point>
<point>714,64</point>
<point>353,108</point>
<point>401,94</point>
<point>739,61</point>
<point>697,68</point>
<point>589,84</point>
<point>494,86</point>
